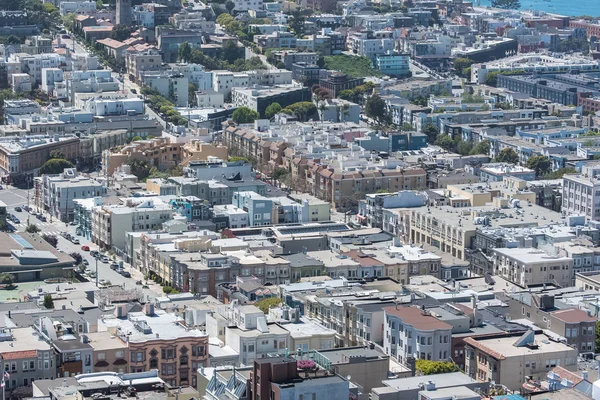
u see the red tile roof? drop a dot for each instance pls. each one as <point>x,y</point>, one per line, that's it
<point>571,376</point>
<point>573,315</point>
<point>414,316</point>
<point>15,355</point>
<point>478,345</point>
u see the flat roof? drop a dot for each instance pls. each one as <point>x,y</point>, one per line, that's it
<point>452,379</point>
<point>340,356</point>
<point>504,347</point>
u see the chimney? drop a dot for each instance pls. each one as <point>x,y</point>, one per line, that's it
<point>584,375</point>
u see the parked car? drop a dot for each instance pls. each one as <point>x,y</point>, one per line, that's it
<point>104,259</point>
<point>85,262</point>
<point>18,209</point>
<point>85,248</point>
<point>126,274</point>
<point>16,220</point>
<point>74,240</point>
<point>42,218</point>
<point>133,91</point>
<point>94,253</point>
<point>114,266</point>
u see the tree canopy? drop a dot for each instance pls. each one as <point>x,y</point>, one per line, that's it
<point>428,367</point>
<point>507,155</point>
<point>48,301</point>
<point>303,110</point>
<point>540,164</point>
<point>375,108</point>
<point>272,110</point>
<point>431,131</point>
<point>55,166</point>
<point>264,304</point>
<point>244,115</point>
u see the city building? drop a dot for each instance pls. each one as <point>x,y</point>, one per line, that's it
<point>527,267</point>
<point>413,332</point>
<point>511,359</point>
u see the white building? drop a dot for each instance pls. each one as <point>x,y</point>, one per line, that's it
<point>99,106</point>
<point>236,217</point>
<point>209,98</point>
<point>338,110</point>
<point>111,222</point>
<point>91,81</point>
<point>246,5</point>
<point>34,63</point>
<point>224,81</point>
<point>170,85</point>
<point>529,266</point>
<point>363,45</point>
<point>246,331</point>
<point>77,7</point>
<point>196,74</point>
<point>412,332</point>
<point>20,83</point>
<point>59,192</point>
<point>581,193</point>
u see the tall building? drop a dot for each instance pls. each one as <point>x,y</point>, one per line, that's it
<point>124,12</point>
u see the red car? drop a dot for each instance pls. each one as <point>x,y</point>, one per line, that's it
<point>85,248</point>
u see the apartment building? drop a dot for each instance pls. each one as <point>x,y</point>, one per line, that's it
<point>413,332</point>
<point>110,223</point>
<point>137,61</point>
<point>575,325</point>
<point>26,357</point>
<point>529,266</point>
<point>57,194</point>
<point>244,328</point>
<point>511,359</point>
<point>158,340</point>
<point>171,85</point>
<point>581,195</point>
<point>157,152</point>
<point>109,354</point>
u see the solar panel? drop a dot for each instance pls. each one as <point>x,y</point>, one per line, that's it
<point>20,241</point>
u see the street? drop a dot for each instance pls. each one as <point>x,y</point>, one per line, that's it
<point>14,197</point>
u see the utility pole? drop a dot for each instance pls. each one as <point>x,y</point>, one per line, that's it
<point>97,272</point>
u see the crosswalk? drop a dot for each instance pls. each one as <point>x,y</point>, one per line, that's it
<point>45,227</point>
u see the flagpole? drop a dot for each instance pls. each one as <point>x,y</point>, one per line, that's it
<point>3,386</point>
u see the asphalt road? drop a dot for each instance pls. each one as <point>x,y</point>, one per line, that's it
<point>18,197</point>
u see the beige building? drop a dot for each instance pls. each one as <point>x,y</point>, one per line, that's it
<point>529,266</point>
<point>157,152</point>
<point>141,58</point>
<point>197,150</point>
<point>110,353</point>
<point>509,360</point>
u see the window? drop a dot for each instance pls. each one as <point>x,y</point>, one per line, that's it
<point>101,356</point>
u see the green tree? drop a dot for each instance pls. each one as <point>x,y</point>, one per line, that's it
<point>231,51</point>
<point>32,228</point>
<point>461,64</point>
<point>51,239</point>
<point>445,142</point>
<point>77,257</point>
<point>54,166</point>
<point>540,164</point>
<point>406,127</point>
<point>431,131</point>
<point>136,138</point>
<point>6,279</point>
<point>244,115</point>
<point>507,155</point>
<point>279,173</point>
<point>303,110</point>
<point>139,168</point>
<point>464,148</point>
<point>481,148</point>
<point>184,52</point>
<point>597,336</point>
<point>120,32</point>
<point>48,302</point>
<point>506,4</point>
<point>99,4</point>
<point>375,108</point>
<point>272,110</point>
<point>428,367</point>
<point>264,304</point>
<point>558,174</point>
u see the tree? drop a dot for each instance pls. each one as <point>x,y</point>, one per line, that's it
<point>558,174</point>
<point>184,52</point>
<point>231,51</point>
<point>264,304</point>
<point>229,5</point>
<point>6,279</point>
<point>597,336</point>
<point>51,239</point>
<point>445,142</point>
<point>464,148</point>
<point>461,64</point>
<point>136,138</point>
<point>303,110</point>
<point>77,257</point>
<point>431,131</point>
<point>540,164</point>
<point>55,166</point>
<point>375,108</point>
<point>279,173</point>
<point>506,4</point>
<point>272,110</point>
<point>139,168</point>
<point>22,392</point>
<point>481,148</point>
<point>32,228</point>
<point>507,155</point>
<point>99,4</point>
<point>428,367</point>
<point>244,115</point>
<point>48,302</point>
<point>120,32</point>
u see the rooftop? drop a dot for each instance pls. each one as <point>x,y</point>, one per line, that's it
<point>504,347</point>
<point>417,318</point>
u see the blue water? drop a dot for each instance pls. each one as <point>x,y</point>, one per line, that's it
<point>563,7</point>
